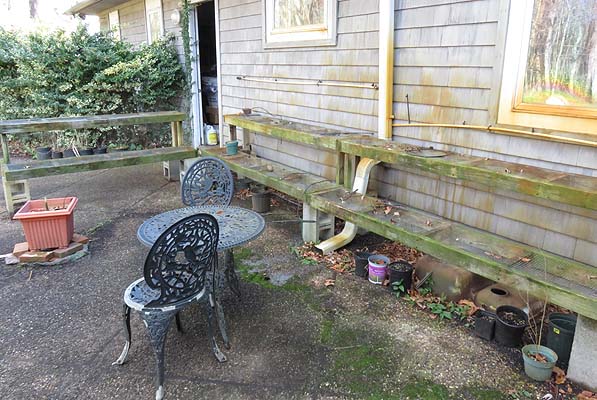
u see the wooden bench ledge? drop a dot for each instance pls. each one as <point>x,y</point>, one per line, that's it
<point>35,169</point>
<point>562,281</point>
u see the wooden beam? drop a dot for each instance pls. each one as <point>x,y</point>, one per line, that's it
<point>20,126</point>
<point>5,152</point>
<point>35,169</point>
<point>479,264</point>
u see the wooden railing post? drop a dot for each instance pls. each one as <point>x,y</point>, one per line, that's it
<point>5,153</point>
<point>174,131</point>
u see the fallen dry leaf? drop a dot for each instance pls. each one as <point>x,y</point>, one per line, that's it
<point>397,213</point>
<point>585,395</point>
<point>329,282</point>
<point>387,210</point>
<point>472,307</point>
<point>560,376</point>
<point>428,223</point>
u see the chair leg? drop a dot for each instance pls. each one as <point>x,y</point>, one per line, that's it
<point>126,318</point>
<point>230,273</point>
<point>210,306</point>
<point>178,323</point>
<point>222,322</point>
<point>157,327</point>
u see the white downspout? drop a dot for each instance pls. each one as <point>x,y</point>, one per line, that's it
<point>386,68</point>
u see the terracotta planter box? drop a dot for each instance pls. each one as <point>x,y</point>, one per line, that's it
<point>51,228</point>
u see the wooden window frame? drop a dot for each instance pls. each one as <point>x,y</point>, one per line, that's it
<point>302,36</point>
<point>114,23</point>
<point>152,9</point>
<point>511,109</point>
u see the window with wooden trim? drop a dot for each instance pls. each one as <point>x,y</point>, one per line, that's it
<point>550,67</point>
<point>296,23</point>
<point>155,20</point>
<point>114,24</point>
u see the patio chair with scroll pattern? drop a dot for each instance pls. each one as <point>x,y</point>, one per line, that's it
<point>209,182</point>
<point>178,271</point>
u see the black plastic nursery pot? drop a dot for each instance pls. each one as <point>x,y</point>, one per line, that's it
<point>100,150</point>
<point>43,153</point>
<point>361,260</point>
<point>560,334</point>
<point>484,324</point>
<point>68,153</point>
<point>401,271</point>
<point>57,154</point>
<point>510,324</point>
<point>86,152</point>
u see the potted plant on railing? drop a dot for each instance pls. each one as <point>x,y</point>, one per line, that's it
<point>48,223</point>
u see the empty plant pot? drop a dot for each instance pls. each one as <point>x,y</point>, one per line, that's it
<point>361,259</point>
<point>43,153</point>
<point>260,200</point>
<point>232,147</point>
<point>560,334</point>
<point>401,271</point>
<point>510,325</point>
<point>377,268</point>
<point>484,324</point>
<point>49,223</point>
<point>538,367</point>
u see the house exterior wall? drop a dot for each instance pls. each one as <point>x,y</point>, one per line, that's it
<point>448,59</point>
<point>133,27</point>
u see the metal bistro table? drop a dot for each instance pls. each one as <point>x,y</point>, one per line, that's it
<point>237,226</point>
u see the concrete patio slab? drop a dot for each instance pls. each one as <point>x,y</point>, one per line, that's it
<point>60,328</point>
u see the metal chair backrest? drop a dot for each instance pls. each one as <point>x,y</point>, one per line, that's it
<point>181,258</point>
<point>207,182</point>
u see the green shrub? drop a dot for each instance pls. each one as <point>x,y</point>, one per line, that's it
<point>59,74</point>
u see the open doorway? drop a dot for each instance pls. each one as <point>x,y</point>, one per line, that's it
<point>205,74</point>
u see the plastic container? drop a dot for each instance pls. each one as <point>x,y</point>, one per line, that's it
<point>539,371</point>
<point>48,229</point>
<point>560,334</point>
<point>209,86</point>
<point>260,200</point>
<point>377,268</point>
<point>506,332</point>
<point>484,324</point>
<point>211,134</point>
<point>401,271</point>
<point>232,147</point>
<point>43,153</point>
<point>361,260</point>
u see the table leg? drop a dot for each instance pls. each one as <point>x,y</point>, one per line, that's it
<point>231,277</point>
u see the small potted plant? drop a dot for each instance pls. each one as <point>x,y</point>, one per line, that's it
<point>538,360</point>
<point>48,223</point>
<point>400,271</point>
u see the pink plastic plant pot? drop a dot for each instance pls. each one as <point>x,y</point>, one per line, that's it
<point>48,224</point>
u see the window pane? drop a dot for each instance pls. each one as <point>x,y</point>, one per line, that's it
<point>293,13</point>
<point>562,61</point>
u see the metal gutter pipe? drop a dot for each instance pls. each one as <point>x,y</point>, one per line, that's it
<point>386,68</point>
<point>361,181</point>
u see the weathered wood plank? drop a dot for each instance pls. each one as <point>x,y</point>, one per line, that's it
<point>575,190</point>
<point>492,173</point>
<point>482,264</point>
<point>18,126</point>
<point>35,169</point>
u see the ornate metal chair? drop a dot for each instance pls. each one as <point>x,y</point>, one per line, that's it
<point>178,271</point>
<point>209,182</point>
